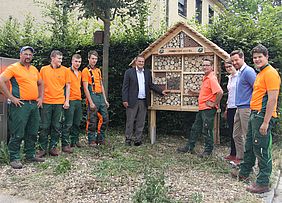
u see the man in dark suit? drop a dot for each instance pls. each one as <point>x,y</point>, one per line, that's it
<point>136,87</point>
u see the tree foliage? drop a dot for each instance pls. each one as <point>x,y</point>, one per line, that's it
<point>105,11</point>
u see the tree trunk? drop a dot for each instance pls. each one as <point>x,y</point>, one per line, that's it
<point>106,46</point>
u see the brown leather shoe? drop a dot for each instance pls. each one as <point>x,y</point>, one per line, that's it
<point>67,149</point>
<point>255,188</point>
<point>235,175</point>
<point>54,152</point>
<point>93,144</point>
<point>16,164</point>
<point>78,144</point>
<point>41,153</point>
<point>35,159</point>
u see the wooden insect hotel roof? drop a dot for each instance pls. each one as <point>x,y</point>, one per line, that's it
<point>198,38</point>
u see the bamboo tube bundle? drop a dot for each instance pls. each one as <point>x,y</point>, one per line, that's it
<point>173,99</point>
<point>192,82</point>
<point>190,101</point>
<point>194,63</point>
<point>173,80</point>
<point>160,80</point>
<point>168,63</point>
<point>173,43</point>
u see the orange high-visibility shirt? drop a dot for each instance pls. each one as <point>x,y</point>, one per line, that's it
<point>86,77</point>
<point>23,81</point>
<point>267,79</point>
<point>75,92</point>
<point>209,88</point>
<point>55,80</point>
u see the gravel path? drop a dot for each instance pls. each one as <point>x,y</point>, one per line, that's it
<point>188,178</point>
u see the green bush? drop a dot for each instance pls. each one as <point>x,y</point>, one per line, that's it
<point>63,166</point>
<point>4,154</point>
<point>153,190</point>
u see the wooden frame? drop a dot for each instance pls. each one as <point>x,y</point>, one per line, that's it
<point>176,60</point>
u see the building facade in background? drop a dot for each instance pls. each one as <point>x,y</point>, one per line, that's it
<point>169,12</point>
<point>163,13</point>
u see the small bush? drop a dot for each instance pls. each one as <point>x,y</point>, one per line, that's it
<point>4,154</point>
<point>63,166</point>
<point>153,190</point>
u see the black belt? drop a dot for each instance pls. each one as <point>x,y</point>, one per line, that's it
<point>255,111</point>
<point>29,101</point>
<point>142,99</point>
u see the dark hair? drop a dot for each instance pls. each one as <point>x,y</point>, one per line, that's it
<point>239,52</point>
<point>55,53</point>
<point>76,56</point>
<point>207,59</point>
<point>260,49</point>
<point>92,52</point>
<point>228,61</point>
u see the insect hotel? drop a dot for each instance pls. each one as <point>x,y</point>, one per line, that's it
<point>176,62</point>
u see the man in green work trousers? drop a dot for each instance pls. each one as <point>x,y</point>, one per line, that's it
<point>72,116</point>
<point>26,97</point>
<point>56,98</point>
<point>209,98</point>
<point>97,102</point>
<point>263,115</point>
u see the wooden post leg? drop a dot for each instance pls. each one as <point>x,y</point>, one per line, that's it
<point>152,127</point>
<point>216,134</point>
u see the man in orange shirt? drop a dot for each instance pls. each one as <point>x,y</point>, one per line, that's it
<point>97,102</point>
<point>26,97</point>
<point>209,97</point>
<point>263,115</point>
<point>56,97</point>
<point>72,115</point>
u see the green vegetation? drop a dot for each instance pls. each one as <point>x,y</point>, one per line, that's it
<point>4,154</point>
<point>153,190</point>
<point>63,166</point>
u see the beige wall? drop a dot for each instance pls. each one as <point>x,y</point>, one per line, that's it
<point>158,11</point>
<point>19,9</point>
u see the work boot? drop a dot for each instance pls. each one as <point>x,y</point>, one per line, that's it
<point>92,144</point>
<point>235,174</point>
<point>205,154</point>
<point>54,152</point>
<point>255,188</point>
<point>185,149</point>
<point>77,144</point>
<point>41,153</point>
<point>35,159</point>
<point>67,149</point>
<point>16,164</point>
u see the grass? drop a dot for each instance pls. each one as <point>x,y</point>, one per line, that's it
<point>148,172</point>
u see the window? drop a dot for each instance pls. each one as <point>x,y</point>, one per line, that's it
<point>182,5</point>
<point>199,11</point>
<point>211,14</point>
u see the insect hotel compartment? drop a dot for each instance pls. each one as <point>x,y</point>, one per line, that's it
<point>190,101</point>
<point>194,63</point>
<point>168,63</point>
<point>192,82</point>
<point>172,99</point>
<point>169,80</point>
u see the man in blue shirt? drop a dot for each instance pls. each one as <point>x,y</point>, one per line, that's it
<point>244,89</point>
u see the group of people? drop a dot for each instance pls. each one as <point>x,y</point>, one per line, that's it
<point>251,112</point>
<point>55,90</point>
<point>49,102</point>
